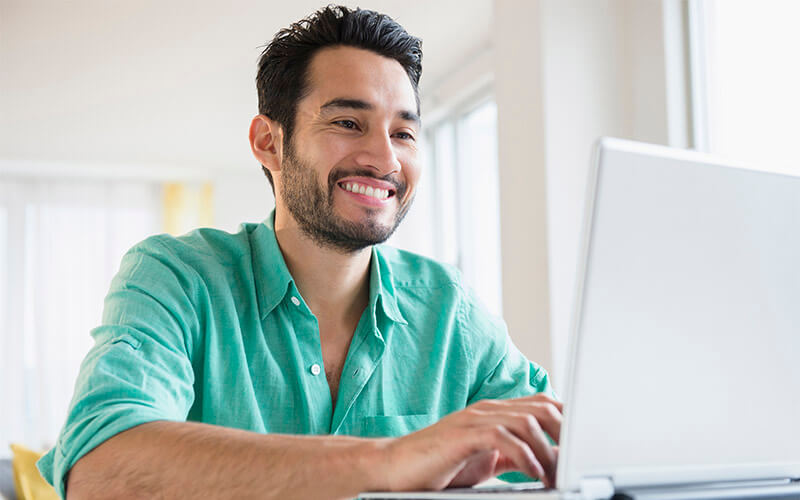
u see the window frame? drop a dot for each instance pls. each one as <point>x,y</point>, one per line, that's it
<point>450,115</point>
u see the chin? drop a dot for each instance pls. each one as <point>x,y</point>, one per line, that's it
<point>374,215</point>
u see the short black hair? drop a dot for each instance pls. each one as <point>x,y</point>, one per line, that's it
<point>282,78</point>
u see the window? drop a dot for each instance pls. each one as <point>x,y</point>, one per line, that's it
<point>463,158</point>
<point>747,88</point>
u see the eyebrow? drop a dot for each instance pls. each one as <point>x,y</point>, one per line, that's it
<point>341,102</point>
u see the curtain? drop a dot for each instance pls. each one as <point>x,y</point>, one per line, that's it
<point>61,242</point>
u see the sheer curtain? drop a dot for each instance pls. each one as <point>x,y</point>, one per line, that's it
<point>60,244</point>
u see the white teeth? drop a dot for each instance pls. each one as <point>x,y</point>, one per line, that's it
<point>378,193</point>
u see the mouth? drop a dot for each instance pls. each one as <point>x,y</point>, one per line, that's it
<point>371,193</point>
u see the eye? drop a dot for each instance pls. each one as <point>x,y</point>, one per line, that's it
<point>404,136</point>
<point>348,124</point>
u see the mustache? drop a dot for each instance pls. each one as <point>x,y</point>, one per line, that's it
<point>335,175</point>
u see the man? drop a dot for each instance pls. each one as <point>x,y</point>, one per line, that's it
<point>296,359</point>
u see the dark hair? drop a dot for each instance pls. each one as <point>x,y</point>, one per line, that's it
<point>282,78</point>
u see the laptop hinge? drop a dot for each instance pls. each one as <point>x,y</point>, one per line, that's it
<point>596,488</point>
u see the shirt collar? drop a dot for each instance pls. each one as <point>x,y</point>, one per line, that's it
<point>273,280</point>
<point>271,276</point>
<point>381,288</point>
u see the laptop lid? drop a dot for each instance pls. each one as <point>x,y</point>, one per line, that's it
<point>684,350</point>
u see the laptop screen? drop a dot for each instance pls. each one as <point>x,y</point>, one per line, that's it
<point>687,332</point>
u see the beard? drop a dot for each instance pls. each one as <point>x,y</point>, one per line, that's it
<point>312,207</point>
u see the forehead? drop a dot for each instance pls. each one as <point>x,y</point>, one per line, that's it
<point>348,72</point>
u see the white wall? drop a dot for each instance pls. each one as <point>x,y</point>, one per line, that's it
<point>107,82</point>
<point>519,90</point>
<point>241,197</point>
<point>588,68</point>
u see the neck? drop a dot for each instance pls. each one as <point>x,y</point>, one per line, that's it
<point>335,285</point>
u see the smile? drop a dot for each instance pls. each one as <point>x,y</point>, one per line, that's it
<point>376,193</point>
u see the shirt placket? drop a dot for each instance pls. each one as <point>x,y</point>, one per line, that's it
<point>361,362</point>
<point>310,365</point>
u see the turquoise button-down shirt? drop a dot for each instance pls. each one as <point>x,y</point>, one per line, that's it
<point>210,327</point>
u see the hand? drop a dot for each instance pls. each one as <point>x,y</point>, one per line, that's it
<point>481,441</point>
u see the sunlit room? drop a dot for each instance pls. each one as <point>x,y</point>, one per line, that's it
<point>124,120</point>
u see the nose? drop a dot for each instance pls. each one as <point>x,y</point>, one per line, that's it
<point>377,152</point>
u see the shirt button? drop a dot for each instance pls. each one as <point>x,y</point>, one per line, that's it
<point>296,302</point>
<point>315,369</point>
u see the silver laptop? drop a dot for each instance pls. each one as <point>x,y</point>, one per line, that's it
<point>684,370</point>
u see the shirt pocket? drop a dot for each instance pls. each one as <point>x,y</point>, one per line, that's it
<point>395,426</point>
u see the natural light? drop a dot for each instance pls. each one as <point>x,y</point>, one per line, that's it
<point>753,82</point>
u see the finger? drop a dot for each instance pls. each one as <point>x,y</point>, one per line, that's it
<point>512,448</point>
<point>548,415</point>
<point>543,398</point>
<point>525,427</point>
<point>535,437</point>
<point>535,398</point>
<point>549,418</point>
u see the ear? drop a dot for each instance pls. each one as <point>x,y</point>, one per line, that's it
<point>266,142</point>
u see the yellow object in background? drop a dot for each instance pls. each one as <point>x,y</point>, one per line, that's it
<point>187,207</point>
<point>30,485</point>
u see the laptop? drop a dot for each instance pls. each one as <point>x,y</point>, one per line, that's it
<point>684,366</point>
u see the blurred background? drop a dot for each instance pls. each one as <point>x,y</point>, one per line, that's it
<point>123,119</point>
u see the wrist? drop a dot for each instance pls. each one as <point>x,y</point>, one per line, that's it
<point>374,463</point>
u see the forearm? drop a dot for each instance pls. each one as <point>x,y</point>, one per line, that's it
<point>190,460</point>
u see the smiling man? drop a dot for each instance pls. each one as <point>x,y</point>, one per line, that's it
<point>298,358</point>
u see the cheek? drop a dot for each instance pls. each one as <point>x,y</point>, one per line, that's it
<point>329,145</point>
<point>335,149</point>
<point>320,160</point>
<point>412,171</point>
<point>319,149</point>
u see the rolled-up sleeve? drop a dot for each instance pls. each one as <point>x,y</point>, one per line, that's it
<point>502,371</point>
<point>139,369</point>
<point>514,377</point>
